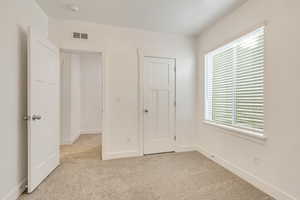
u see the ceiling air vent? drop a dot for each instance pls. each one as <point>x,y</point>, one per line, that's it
<point>76,35</point>
<point>83,36</point>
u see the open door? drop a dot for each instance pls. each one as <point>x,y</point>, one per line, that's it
<point>43,108</point>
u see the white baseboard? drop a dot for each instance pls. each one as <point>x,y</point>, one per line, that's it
<point>65,141</point>
<point>90,131</point>
<point>180,148</point>
<point>68,142</point>
<point>16,191</point>
<point>123,154</point>
<point>128,154</point>
<point>254,180</point>
<point>75,138</point>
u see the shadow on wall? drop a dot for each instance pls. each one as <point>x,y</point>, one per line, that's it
<point>22,100</point>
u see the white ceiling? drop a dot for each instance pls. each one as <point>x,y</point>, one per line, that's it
<point>188,17</point>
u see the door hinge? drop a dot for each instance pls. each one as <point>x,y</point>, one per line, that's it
<point>175,138</point>
<point>175,103</point>
<point>175,69</point>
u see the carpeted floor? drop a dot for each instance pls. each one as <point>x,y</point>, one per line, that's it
<point>86,147</point>
<point>178,176</point>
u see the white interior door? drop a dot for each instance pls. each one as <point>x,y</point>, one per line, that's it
<point>159,105</point>
<point>43,109</point>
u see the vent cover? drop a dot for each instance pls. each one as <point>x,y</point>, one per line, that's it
<point>76,35</point>
<point>83,36</point>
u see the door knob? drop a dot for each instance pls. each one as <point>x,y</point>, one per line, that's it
<point>36,117</point>
<point>26,117</point>
<point>146,111</point>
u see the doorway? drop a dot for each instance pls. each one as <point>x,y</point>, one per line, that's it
<point>159,105</point>
<point>81,105</point>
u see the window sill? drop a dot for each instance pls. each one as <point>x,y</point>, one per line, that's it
<point>246,134</point>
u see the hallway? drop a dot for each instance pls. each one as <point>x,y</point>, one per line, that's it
<point>86,147</point>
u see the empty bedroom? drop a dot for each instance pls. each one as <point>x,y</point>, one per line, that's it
<point>150,100</point>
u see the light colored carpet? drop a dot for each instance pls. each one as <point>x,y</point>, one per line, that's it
<point>178,176</point>
<point>86,147</point>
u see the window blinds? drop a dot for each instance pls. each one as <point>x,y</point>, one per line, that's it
<point>235,83</point>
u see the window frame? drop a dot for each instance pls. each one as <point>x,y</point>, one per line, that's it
<point>241,130</point>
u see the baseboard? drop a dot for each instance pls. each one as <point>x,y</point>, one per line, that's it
<point>123,154</point>
<point>268,188</point>
<point>16,191</point>
<point>75,138</point>
<point>68,142</point>
<point>90,131</point>
<point>128,154</point>
<point>180,148</point>
<point>64,142</point>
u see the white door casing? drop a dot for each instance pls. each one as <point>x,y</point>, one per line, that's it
<point>159,105</point>
<point>43,108</point>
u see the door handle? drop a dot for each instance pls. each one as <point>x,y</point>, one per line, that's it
<point>26,118</point>
<point>36,117</point>
<point>146,111</point>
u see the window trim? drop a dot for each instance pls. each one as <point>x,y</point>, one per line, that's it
<point>240,131</point>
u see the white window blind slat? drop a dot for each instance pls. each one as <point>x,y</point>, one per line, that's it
<point>234,79</point>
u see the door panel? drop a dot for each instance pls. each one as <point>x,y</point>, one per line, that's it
<point>43,109</point>
<point>159,99</point>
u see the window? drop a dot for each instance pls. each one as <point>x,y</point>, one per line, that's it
<point>234,83</point>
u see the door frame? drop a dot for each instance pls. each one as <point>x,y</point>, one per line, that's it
<point>104,115</point>
<point>151,53</point>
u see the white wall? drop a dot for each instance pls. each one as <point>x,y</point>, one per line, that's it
<point>75,97</point>
<point>15,17</point>
<point>91,93</point>
<point>122,97</point>
<point>65,97</point>
<point>70,97</point>
<point>273,165</point>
